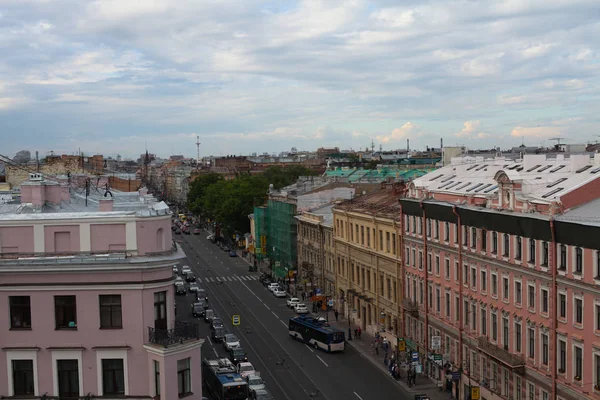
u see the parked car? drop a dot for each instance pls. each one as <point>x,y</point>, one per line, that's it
<point>232,253</point>
<point>210,237</point>
<point>176,269</point>
<point>201,294</point>
<point>186,230</point>
<point>279,292</point>
<point>190,277</point>
<point>292,301</point>
<point>231,341</point>
<point>216,323</point>
<point>180,287</point>
<point>261,394</point>
<point>301,309</point>
<point>185,269</point>
<point>208,315</point>
<point>245,369</point>
<point>193,287</point>
<point>218,334</point>
<point>272,286</point>
<point>255,382</point>
<point>177,232</point>
<point>237,355</point>
<point>198,310</point>
<point>196,231</point>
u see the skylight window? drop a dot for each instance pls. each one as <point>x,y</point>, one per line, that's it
<point>536,167</point>
<point>514,166</point>
<point>448,178</point>
<point>490,189</point>
<point>474,187</point>
<point>519,169</point>
<point>544,168</point>
<point>451,186</point>
<point>595,170</point>
<point>557,168</point>
<point>483,187</point>
<point>436,177</point>
<point>446,184</point>
<point>463,186</point>
<point>556,182</point>
<point>480,168</point>
<point>583,169</point>
<point>552,192</point>
<point>472,166</point>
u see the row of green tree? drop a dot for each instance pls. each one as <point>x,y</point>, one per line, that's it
<point>229,202</point>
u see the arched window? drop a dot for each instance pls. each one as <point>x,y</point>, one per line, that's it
<point>160,239</point>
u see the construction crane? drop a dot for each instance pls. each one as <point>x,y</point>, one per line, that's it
<point>558,139</point>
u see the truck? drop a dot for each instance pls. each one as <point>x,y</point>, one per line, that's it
<point>222,380</point>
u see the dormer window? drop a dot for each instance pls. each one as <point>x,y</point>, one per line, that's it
<point>507,198</point>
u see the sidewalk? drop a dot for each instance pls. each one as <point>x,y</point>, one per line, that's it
<point>424,384</point>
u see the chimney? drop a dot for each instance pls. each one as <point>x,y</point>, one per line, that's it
<point>408,145</point>
<point>441,143</point>
<point>105,205</point>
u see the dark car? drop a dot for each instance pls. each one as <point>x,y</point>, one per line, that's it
<point>209,315</point>
<point>180,288</point>
<point>187,231</point>
<point>261,394</point>
<point>190,277</point>
<point>232,253</point>
<point>216,323</point>
<point>196,231</point>
<point>198,309</point>
<point>218,334</point>
<point>237,355</point>
<point>201,294</point>
<point>177,232</point>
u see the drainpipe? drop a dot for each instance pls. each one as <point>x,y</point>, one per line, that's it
<point>554,316</point>
<point>460,296</point>
<point>400,292</point>
<point>424,231</point>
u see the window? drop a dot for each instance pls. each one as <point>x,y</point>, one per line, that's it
<point>446,231</point>
<point>532,251</point>
<point>474,278</point>
<point>428,228</point>
<point>563,257</point>
<point>597,309</point>
<point>494,326</point>
<point>518,338</point>
<point>578,311</point>
<point>438,299</point>
<point>506,245</point>
<point>156,378</point>
<point>562,356</point>
<point>414,224</point>
<point>578,363</point>
<point>531,339</point>
<point>518,293</point>
<point>494,285</point>
<point>447,304</point>
<point>474,317</point>
<point>483,322</point>
<point>420,260</point>
<point>65,312</point>
<point>597,275</point>
<point>368,237</point>
<point>183,377</point>
<point>562,305</point>
<point>23,384</point>
<point>483,280</point>
<point>20,312</point>
<point>456,233</point>
<point>68,378</point>
<point>505,335</point>
<point>544,301</point>
<point>110,311</point>
<point>456,308</point>
<point>387,242</point>
<point>578,261</point>
<point>597,369</point>
<point>429,263</point>
<point>544,349</point>
<point>473,238</point>
<point>362,235</point>
<point>465,275</point>
<point>505,288</point>
<point>531,296</point>
<point>544,254</point>
<point>518,388</point>
<point>113,377</point>
<point>437,265</point>
<point>394,243</point>
<point>456,271</point>
<point>494,242</point>
<point>518,248</point>
<point>483,240</point>
<point>436,230</point>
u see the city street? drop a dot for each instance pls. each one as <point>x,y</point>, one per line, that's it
<point>291,369</point>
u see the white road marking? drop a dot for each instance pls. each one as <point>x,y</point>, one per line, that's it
<point>267,307</point>
<point>243,277</point>
<point>229,279</point>
<point>356,394</point>
<point>218,279</point>
<point>311,350</point>
<point>199,280</point>
<point>284,324</point>
<point>272,312</point>
<point>325,363</point>
<point>209,341</point>
<point>216,354</point>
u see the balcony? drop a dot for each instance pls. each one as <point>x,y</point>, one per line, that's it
<point>515,362</point>
<point>411,307</point>
<point>182,332</point>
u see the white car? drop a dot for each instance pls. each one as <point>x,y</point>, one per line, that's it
<point>175,269</point>
<point>273,286</point>
<point>245,369</point>
<point>230,341</point>
<point>301,308</point>
<point>279,293</point>
<point>185,269</point>
<point>193,287</point>
<point>255,382</point>
<point>292,301</point>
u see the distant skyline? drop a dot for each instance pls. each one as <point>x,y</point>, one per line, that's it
<point>115,76</point>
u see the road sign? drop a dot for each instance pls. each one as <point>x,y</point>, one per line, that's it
<point>277,264</point>
<point>401,345</point>
<point>415,356</point>
<point>258,250</point>
<point>317,291</point>
<point>456,376</point>
<point>474,392</point>
<point>235,320</point>
<point>436,342</point>
<point>330,302</point>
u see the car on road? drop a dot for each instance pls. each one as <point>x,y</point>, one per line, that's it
<point>202,294</point>
<point>217,323</point>
<point>193,287</point>
<point>185,269</point>
<point>177,232</point>
<point>196,231</point>
<point>301,308</point>
<point>231,341</point>
<point>245,369</point>
<point>261,394</point>
<point>175,269</point>
<point>208,315</point>
<point>292,301</point>
<point>218,334</point>
<point>279,292</point>
<point>272,286</point>
<point>180,287</point>
<point>232,253</point>
<point>255,382</point>
<point>210,237</point>
<point>237,355</point>
<point>190,277</point>
<point>186,230</point>
<point>198,309</point>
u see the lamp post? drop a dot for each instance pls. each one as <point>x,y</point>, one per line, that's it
<point>348,314</point>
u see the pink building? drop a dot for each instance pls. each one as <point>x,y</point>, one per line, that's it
<point>86,296</point>
<point>502,272</point>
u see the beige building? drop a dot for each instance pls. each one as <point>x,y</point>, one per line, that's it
<point>316,250</point>
<point>367,260</point>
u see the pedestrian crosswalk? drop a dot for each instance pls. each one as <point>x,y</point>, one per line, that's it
<point>225,279</point>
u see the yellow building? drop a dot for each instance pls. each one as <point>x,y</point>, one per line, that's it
<point>367,259</point>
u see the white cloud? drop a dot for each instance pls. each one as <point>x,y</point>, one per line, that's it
<point>406,131</point>
<point>472,130</point>
<point>536,132</point>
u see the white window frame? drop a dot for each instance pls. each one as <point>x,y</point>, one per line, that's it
<point>541,349</point>
<point>531,306</point>
<point>494,295</point>
<point>22,354</point>
<point>558,316</point>
<point>483,276</point>
<point>564,340</point>
<point>573,357</point>
<point>576,275</point>
<point>542,290</point>
<point>74,354</point>
<point>578,325</point>
<point>520,303</point>
<point>506,279</point>
<point>102,354</point>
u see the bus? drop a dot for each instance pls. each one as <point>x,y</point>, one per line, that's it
<point>316,333</point>
<point>222,380</point>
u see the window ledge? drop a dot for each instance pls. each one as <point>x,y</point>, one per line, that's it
<point>65,328</point>
<point>181,396</point>
<point>110,328</point>
<point>20,329</point>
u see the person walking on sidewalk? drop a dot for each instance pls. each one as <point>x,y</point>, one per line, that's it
<point>336,313</point>
<point>359,332</point>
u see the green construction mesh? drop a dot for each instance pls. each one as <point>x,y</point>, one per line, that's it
<point>282,236</point>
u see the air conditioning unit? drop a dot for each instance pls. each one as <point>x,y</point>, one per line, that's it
<point>34,176</point>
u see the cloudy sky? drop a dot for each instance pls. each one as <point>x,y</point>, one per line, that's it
<point>110,76</point>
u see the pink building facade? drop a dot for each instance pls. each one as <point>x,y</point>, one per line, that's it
<point>88,305</point>
<point>501,278</point>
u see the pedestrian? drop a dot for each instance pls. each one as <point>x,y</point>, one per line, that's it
<point>375,344</point>
<point>359,332</point>
<point>336,313</point>
<point>385,358</point>
<point>355,332</point>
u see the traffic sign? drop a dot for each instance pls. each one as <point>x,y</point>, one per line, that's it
<point>401,345</point>
<point>330,302</point>
<point>474,392</point>
<point>436,342</point>
<point>235,320</point>
<point>415,356</point>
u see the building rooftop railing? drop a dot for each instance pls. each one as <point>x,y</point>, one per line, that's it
<point>182,332</point>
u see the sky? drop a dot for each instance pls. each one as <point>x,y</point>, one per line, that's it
<point>119,76</point>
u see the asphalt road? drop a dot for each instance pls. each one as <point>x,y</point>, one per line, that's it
<point>291,370</point>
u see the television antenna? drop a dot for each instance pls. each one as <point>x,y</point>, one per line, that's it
<point>558,139</point>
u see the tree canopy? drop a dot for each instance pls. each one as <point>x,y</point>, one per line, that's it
<point>229,202</point>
